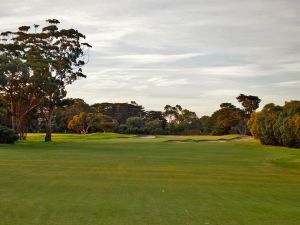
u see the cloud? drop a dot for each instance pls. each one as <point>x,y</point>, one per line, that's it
<point>222,92</point>
<point>153,58</point>
<point>288,84</point>
<point>194,52</point>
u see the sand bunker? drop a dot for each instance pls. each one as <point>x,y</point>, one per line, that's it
<point>217,140</point>
<point>145,136</point>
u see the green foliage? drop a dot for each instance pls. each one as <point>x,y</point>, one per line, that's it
<point>36,66</point>
<point>156,115</point>
<point>205,124</point>
<point>105,123</point>
<point>3,111</point>
<point>276,125</point>
<point>84,122</point>
<point>7,136</point>
<point>135,123</point>
<point>224,119</point>
<point>188,120</point>
<point>249,102</point>
<point>119,111</point>
<point>155,127</point>
<point>171,113</point>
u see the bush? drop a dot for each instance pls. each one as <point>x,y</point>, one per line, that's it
<point>7,136</point>
<point>135,123</point>
<point>276,125</point>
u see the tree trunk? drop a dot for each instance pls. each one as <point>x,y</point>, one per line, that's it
<point>48,119</point>
<point>48,136</point>
<point>13,122</point>
<point>13,116</point>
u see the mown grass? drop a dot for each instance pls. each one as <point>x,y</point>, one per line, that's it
<point>114,179</point>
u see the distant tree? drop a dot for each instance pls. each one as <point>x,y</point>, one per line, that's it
<point>82,122</point>
<point>206,124</point>
<point>65,110</point>
<point>156,116</point>
<point>249,102</point>
<point>188,120</point>
<point>171,113</point>
<point>106,123</point>
<point>119,111</point>
<point>135,122</point>
<point>224,119</point>
<point>154,126</point>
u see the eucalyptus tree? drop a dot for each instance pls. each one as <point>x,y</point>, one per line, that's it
<point>17,85</point>
<point>52,59</point>
<point>172,113</point>
<point>249,102</point>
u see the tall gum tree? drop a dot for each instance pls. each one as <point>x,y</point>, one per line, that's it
<point>54,58</point>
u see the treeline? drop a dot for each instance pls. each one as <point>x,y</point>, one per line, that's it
<point>75,115</point>
<point>274,125</point>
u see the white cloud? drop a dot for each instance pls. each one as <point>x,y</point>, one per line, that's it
<point>222,92</point>
<point>212,50</point>
<point>290,84</point>
<point>153,58</point>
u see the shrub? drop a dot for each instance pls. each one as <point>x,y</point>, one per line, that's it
<point>122,129</point>
<point>135,123</point>
<point>7,135</point>
<point>276,125</point>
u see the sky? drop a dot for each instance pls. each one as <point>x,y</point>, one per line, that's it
<point>196,53</point>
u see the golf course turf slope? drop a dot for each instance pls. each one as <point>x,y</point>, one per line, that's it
<point>113,179</point>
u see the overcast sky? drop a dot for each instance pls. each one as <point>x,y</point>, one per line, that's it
<point>196,53</point>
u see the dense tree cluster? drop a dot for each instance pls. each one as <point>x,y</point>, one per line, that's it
<point>277,125</point>
<point>75,115</point>
<point>230,119</point>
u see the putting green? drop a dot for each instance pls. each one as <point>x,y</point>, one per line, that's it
<point>113,179</point>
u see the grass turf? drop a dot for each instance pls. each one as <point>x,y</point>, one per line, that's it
<point>113,179</point>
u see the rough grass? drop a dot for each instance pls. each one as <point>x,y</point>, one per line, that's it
<point>114,179</point>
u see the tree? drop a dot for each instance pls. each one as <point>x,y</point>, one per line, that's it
<point>106,123</point>
<point>135,122</point>
<point>119,111</point>
<point>287,125</point>
<point>3,111</point>
<point>249,102</point>
<point>65,110</point>
<point>277,125</point>
<point>171,114</point>
<point>154,126</point>
<point>18,86</point>
<point>65,53</point>
<point>49,59</point>
<point>224,119</point>
<point>82,122</point>
<point>156,116</point>
<point>205,124</point>
<point>188,120</point>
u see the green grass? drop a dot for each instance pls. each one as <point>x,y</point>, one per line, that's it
<point>112,179</point>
